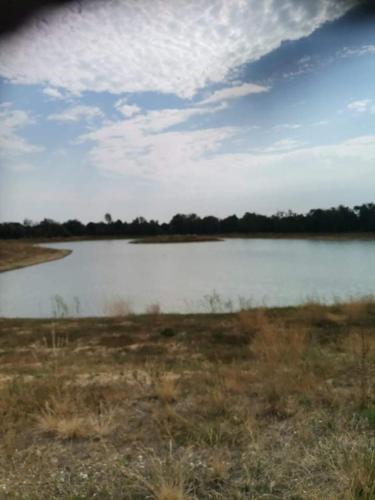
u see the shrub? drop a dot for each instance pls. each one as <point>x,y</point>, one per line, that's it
<point>167,332</point>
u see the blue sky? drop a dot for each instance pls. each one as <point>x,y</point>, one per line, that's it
<point>207,106</point>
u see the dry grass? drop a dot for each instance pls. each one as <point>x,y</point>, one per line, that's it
<point>168,492</point>
<point>360,476</point>
<point>67,425</point>
<point>263,404</point>
<point>166,388</point>
<point>161,478</point>
<point>153,309</point>
<point>253,321</point>
<point>118,308</point>
<point>276,344</point>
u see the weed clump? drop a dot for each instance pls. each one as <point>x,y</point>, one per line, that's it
<point>168,332</point>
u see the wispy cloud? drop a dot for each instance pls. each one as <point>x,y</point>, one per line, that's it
<point>127,109</point>
<point>361,50</point>
<point>148,146</point>
<point>362,106</point>
<point>159,147</point>
<point>284,145</point>
<point>11,142</point>
<point>234,93</point>
<point>288,126</point>
<point>169,46</point>
<point>52,92</point>
<point>77,113</point>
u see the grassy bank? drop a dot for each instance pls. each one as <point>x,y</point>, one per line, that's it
<point>273,404</point>
<point>15,254</point>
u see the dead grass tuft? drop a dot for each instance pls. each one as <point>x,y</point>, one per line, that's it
<point>166,388</point>
<point>234,381</point>
<point>361,345</point>
<point>361,475</point>
<point>118,308</point>
<point>355,310</point>
<point>169,492</point>
<point>64,426</point>
<point>219,465</point>
<point>153,309</point>
<point>164,478</point>
<point>253,321</point>
<point>275,343</point>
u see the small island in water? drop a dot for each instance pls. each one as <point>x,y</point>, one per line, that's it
<point>177,238</point>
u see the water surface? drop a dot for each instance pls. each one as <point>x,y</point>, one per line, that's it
<point>189,277</point>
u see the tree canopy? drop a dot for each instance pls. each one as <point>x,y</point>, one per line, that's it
<point>339,219</point>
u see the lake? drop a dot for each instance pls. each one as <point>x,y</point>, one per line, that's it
<point>189,277</point>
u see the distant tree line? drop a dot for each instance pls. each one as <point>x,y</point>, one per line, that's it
<point>333,220</point>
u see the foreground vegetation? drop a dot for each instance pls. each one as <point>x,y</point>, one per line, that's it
<point>16,254</point>
<point>276,403</point>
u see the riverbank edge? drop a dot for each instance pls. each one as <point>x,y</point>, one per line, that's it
<point>221,236</point>
<point>33,260</point>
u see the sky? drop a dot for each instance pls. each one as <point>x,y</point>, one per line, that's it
<point>156,107</point>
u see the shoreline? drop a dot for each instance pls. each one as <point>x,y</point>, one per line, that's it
<point>220,236</point>
<point>17,255</point>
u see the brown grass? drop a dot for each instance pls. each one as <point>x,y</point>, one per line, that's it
<point>268,403</point>
<point>63,422</point>
<point>118,308</point>
<point>153,309</point>
<point>166,388</point>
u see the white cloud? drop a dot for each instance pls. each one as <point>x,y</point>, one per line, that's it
<point>357,51</point>
<point>266,177</point>
<point>126,109</point>
<point>147,146</point>
<point>234,93</point>
<point>11,143</point>
<point>284,145</point>
<point>52,92</point>
<point>195,163</point>
<point>288,126</point>
<point>362,106</point>
<point>169,46</point>
<point>76,113</point>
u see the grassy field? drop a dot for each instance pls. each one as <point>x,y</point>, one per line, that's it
<point>15,254</point>
<point>273,404</point>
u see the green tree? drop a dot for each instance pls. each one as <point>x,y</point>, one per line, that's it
<point>108,218</point>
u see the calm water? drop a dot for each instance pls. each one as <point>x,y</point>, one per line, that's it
<point>190,277</point>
